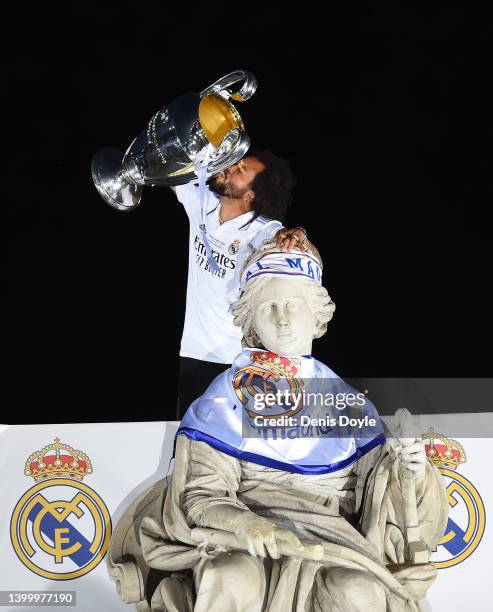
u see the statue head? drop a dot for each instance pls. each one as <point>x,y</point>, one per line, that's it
<point>283,305</point>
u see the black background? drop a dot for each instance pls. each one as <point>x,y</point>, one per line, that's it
<point>385,115</point>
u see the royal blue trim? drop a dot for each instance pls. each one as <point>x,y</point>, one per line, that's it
<point>200,436</point>
<point>257,216</point>
<point>247,223</point>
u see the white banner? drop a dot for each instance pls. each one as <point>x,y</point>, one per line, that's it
<point>55,524</point>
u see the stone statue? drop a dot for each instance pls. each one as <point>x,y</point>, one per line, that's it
<point>250,523</point>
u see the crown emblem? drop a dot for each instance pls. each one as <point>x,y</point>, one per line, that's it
<point>282,365</point>
<point>444,452</point>
<point>58,460</point>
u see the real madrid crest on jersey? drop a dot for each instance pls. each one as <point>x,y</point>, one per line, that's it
<point>234,247</point>
<point>60,528</point>
<point>466,522</point>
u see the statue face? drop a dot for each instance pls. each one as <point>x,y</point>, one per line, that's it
<point>282,317</point>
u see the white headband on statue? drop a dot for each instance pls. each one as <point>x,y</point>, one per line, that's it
<point>295,264</point>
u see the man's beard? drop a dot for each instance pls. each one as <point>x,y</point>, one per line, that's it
<point>225,189</point>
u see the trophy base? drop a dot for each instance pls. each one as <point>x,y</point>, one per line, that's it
<point>106,169</point>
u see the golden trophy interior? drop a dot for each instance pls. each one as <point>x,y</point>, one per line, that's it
<point>217,117</point>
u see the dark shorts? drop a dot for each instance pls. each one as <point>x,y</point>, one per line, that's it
<point>194,378</point>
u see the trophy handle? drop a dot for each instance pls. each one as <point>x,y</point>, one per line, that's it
<point>246,91</point>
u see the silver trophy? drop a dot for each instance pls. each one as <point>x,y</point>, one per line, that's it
<point>194,129</point>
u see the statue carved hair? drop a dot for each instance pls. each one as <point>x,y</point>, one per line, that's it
<point>317,297</point>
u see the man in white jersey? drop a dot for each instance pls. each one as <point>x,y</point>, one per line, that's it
<point>244,206</point>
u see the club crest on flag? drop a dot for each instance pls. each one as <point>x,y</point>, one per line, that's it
<point>269,374</point>
<point>467,518</point>
<point>60,528</point>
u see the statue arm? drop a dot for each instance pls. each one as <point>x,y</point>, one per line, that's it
<point>431,502</point>
<point>381,501</point>
<point>209,500</point>
<point>210,487</point>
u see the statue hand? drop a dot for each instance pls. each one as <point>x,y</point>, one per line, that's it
<point>412,454</point>
<point>260,537</point>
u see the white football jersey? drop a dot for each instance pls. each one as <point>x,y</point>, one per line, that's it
<point>209,333</point>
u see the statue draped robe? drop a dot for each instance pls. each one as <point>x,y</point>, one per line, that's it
<point>344,493</point>
<point>355,513</point>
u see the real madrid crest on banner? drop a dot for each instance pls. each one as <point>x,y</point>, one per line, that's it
<point>60,528</point>
<point>467,519</point>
